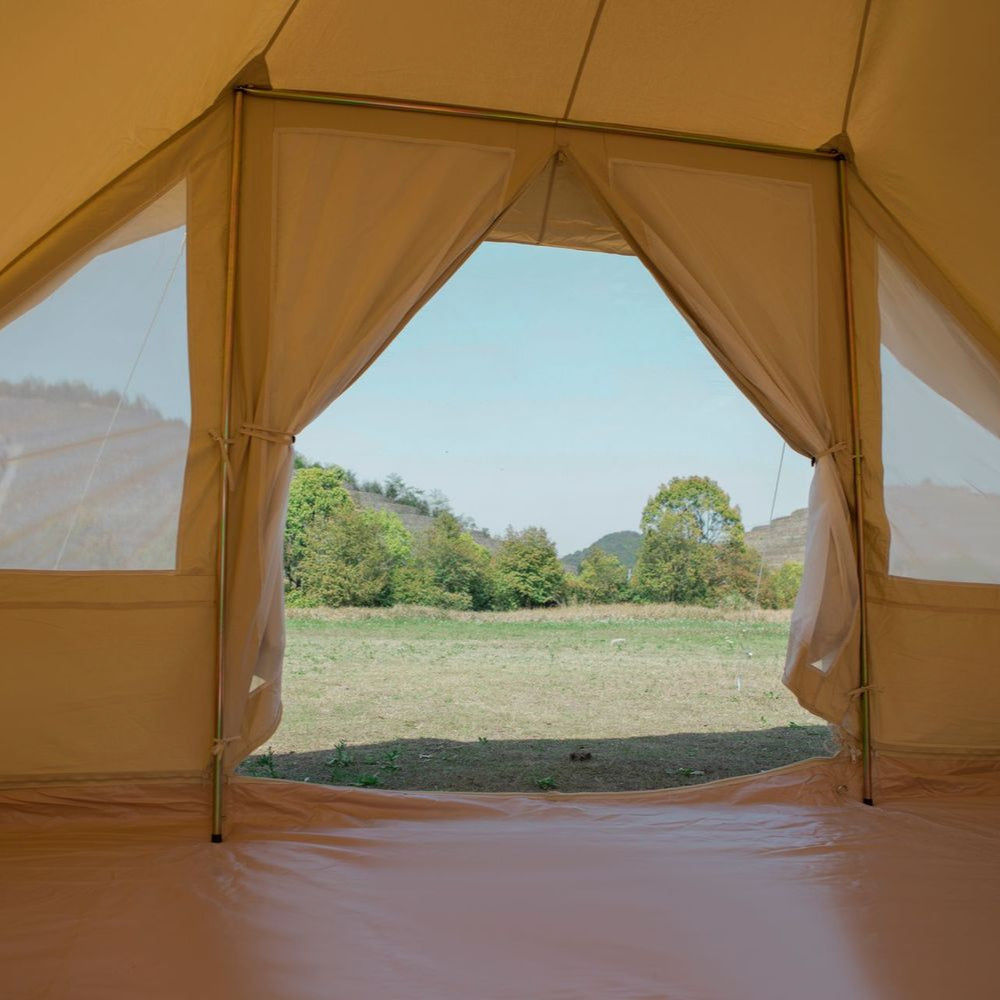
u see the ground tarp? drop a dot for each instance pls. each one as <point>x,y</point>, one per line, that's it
<point>780,885</point>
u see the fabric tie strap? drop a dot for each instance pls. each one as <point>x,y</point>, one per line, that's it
<point>859,691</point>
<point>219,746</point>
<point>267,434</point>
<point>833,449</point>
<point>224,443</point>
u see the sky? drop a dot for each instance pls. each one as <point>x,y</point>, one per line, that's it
<point>117,323</point>
<point>558,388</point>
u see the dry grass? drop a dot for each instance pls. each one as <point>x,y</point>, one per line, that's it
<point>569,613</point>
<point>419,698</point>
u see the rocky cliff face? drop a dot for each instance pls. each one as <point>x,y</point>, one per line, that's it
<point>781,541</point>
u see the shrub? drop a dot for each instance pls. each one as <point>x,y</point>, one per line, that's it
<point>347,561</point>
<point>783,586</point>
<point>530,569</point>
<point>603,579</point>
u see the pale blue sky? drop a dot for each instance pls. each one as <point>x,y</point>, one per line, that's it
<point>558,388</point>
<point>123,314</point>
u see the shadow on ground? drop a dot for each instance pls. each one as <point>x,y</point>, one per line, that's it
<point>604,765</point>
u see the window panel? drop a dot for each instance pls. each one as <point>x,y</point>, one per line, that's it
<point>940,437</point>
<point>95,405</point>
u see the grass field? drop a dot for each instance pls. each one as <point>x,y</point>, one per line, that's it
<point>569,699</point>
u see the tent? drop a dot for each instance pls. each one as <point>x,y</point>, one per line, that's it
<point>812,184</point>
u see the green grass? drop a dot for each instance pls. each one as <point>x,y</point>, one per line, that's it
<point>641,697</point>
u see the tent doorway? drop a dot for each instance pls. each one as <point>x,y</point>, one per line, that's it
<point>413,662</point>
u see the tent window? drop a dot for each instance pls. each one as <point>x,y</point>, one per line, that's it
<point>95,405</point>
<point>940,437</point>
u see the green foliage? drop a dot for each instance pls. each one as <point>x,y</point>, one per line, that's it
<point>396,489</point>
<point>602,578</point>
<point>528,566</point>
<point>697,508</point>
<point>414,584</point>
<point>737,569</point>
<point>674,567</point>
<point>398,540</point>
<point>692,549</point>
<point>457,563</point>
<point>299,461</point>
<point>449,570</point>
<point>315,494</point>
<point>782,587</point>
<point>347,560</point>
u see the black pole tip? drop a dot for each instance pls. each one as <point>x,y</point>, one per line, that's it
<point>217,837</point>
<point>868,802</point>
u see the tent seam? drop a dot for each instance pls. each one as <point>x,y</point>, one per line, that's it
<point>583,57</point>
<point>293,7</point>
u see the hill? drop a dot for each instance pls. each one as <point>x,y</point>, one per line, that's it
<point>414,521</point>
<point>88,480</point>
<point>781,541</point>
<point>623,544</point>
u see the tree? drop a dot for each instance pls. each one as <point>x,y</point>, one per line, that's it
<point>396,537</point>
<point>457,563</point>
<point>738,567</point>
<point>603,579</point>
<point>699,508</point>
<point>673,566</point>
<point>315,494</point>
<point>347,560</point>
<point>692,549</point>
<point>449,569</point>
<point>527,563</point>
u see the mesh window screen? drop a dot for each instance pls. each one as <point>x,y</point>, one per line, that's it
<point>95,405</point>
<point>940,437</point>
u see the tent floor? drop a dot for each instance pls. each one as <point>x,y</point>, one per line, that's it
<point>766,887</point>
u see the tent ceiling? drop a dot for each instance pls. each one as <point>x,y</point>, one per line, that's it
<point>93,90</point>
<point>515,54</point>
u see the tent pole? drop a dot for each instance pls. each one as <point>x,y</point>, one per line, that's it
<point>219,744</point>
<point>487,114</point>
<point>859,507</point>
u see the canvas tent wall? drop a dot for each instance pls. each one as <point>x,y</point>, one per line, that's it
<point>350,217</point>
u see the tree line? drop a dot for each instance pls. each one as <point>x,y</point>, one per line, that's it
<point>692,551</point>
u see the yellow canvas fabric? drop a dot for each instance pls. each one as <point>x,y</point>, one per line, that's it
<point>747,246</point>
<point>111,672</point>
<point>326,283</point>
<point>106,129</point>
<point>90,89</point>
<point>932,642</point>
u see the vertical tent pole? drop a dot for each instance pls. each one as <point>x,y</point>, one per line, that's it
<point>859,505</point>
<point>227,394</point>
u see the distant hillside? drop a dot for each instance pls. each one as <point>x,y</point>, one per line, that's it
<point>623,544</point>
<point>87,480</point>
<point>410,516</point>
<point>781,541</point>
